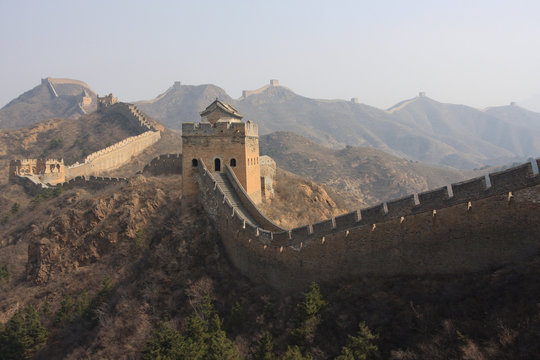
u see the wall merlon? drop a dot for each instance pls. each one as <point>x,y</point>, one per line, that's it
<point>469,190</point>
<point>282,237</point>
<point>347,220</point>
<point>323,227</point>
<point>372,215</point>
<point>301,232</point>
<point>400,207</point>
<point>433,199</point>
<point>512,179</point>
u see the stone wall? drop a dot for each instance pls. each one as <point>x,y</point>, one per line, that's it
<point>93,182</point>
<point>489,228</point>
<point>113,156</point>
<point>46,171</point>
<point>164,165</point>
<point>224,143</point>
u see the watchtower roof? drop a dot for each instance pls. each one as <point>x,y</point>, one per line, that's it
<point>219,106</point>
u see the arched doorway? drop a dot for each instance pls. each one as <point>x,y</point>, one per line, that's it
<point>217,164</point>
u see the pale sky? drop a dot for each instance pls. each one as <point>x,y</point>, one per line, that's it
<point>478,53</point>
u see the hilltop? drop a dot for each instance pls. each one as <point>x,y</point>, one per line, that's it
<point>53,98</point>
<point>419,129</point>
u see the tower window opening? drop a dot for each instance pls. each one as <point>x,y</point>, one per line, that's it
<point>217,165</point>
<point>194,162</point>
<point>233,162</point>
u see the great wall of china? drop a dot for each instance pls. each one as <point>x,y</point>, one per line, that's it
<point>35,176</point>
<point>476,228</point>
<point>469,226</point>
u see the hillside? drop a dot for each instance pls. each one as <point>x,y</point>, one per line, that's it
<point>53,98</point>
<point>358,177</point>
<point>420,129</point>
<point>104,268</point>
<point>73,139</point>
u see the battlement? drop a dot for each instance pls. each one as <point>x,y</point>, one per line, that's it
<point>164,164</point>
<point>113,156</point>
<point>106,101</point>
<point>221,128</point>
<point>46,171</point>
<point>439,234</point>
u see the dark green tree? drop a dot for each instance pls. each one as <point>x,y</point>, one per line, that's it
<point>166,343</point>
<point>362,346</point>
<point>265,348</point>
<point>204,338</point>
<point>294,353</point>
<point>308,315</point>
<point>22,335</point>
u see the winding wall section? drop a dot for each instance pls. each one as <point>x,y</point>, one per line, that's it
<point>476,228</point>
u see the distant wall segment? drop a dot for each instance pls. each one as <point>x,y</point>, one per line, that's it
<point>113,156</point>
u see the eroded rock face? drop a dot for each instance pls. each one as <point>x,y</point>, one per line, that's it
<point>123,218</point>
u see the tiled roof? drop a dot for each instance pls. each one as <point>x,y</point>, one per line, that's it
<point>224,107</point>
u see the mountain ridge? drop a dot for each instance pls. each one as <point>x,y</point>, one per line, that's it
<point>419,129</point>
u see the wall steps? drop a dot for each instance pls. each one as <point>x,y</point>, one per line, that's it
<point>226,187</point>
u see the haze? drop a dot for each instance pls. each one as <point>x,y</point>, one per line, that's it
<point>480,53</point>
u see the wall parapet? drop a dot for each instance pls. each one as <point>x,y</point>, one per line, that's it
<point>164,164</point>
<point>220,128</point>
<point>406,238</point>
<point>113,156</point>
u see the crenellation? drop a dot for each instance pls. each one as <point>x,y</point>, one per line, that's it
<point>347,220</point>
<point>282,237</point>
<point>372,215</point>
<point>469,190</point>
<point>513,178</point>
<point>433,199</point>
<point>400,207</point>
<point>323,227</point>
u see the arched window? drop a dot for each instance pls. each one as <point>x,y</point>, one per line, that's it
<point>233,162</point>
<point>194,162</point>
<point>217,164</point>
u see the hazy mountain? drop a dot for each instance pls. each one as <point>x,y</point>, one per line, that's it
<point>363,176</point>
<point>475,136</point>
<point>420,128</point>
<point>181,103</point>
<point>53,98</point>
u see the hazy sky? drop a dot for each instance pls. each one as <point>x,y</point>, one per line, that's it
<point>478,53</point>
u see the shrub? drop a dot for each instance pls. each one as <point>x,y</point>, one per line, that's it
<point>22,335</point>
<point>362,346</point>
<point>5,274</point>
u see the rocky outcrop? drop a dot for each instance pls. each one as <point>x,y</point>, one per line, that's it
<point>86,227</point>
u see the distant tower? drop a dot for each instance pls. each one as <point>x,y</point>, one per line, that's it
<point>274,82</point>
<point>105,102</point>
<point>220,139</point>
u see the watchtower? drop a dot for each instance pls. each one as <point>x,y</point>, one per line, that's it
<point>220,139</point>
